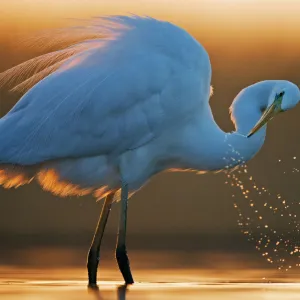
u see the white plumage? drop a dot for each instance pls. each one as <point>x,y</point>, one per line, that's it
<point>126,100</point>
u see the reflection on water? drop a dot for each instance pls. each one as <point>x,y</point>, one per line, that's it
<point>187,275</point>
<point>25,284</point>
<point>122,291</point>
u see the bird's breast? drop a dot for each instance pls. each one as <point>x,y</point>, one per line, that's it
<point>137,167</point>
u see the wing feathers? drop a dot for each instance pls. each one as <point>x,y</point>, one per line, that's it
<point>107,96</point>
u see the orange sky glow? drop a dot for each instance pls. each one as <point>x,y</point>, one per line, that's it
<point>247,41</point>
<point>276,16</point>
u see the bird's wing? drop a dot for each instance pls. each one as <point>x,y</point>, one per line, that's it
<point>109,98</point>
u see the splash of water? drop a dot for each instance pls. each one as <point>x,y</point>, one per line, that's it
<point>278,248</point>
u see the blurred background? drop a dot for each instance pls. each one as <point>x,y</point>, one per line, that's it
<point>248,41</point>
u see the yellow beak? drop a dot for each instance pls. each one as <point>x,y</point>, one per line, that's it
<point>268,115</point>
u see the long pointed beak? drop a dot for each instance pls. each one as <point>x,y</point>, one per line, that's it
<point>268,115</point>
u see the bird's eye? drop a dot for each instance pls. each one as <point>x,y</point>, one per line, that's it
<point>281,94</point>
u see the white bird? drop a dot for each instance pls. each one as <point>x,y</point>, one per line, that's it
<point>126,99</point>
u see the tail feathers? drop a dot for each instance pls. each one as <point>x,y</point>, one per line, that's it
<point>13,176</point>
<point>50,181</point>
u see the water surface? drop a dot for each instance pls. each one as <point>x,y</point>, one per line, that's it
<point>61,284</point>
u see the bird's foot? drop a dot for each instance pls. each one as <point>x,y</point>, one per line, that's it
<point>93,286</point>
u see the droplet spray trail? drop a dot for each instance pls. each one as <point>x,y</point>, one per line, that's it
<point>278,247</point>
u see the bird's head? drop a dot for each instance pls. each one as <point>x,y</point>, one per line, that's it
<point>284,96</point>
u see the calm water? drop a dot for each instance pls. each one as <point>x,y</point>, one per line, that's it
<point>52,273</point>
<point>59,284</point>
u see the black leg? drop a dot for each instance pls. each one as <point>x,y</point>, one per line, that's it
<point>121,253</point>
<point>94,253</point>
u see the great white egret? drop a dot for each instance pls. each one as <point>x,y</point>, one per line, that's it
<point>126,99</point>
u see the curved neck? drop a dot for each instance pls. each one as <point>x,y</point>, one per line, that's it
<point>208,148</point>
<point>232,149</point>
<point>240,149</point>
<point>246,110</point>
<point>204,146</point>
<point>247,107</point>
<point>245,114</point>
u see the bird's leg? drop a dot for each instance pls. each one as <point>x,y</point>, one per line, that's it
<point>94,253</point>
<point>121,253</point>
